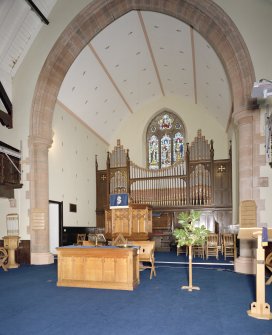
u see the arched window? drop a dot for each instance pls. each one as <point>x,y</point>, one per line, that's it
<point>165,140</point>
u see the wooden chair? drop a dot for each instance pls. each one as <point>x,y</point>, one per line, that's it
<point>119,240</point>
<point>88,243</point>
<point>146,255</point>
<point>3,258</point>
<point>268,264</point>
<point>229,245</point>
<point>80,239</point>
<point>198,250</point>
<point>182,250</point>
<point>212,245</point>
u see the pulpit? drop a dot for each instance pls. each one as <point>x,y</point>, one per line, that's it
<point>134,222</point>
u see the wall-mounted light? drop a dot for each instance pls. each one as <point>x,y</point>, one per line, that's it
<point>262,89</point>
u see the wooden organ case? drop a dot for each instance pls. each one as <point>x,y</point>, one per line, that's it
<point>198,182</point>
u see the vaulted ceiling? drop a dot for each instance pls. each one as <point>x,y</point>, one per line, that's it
<point>141,57</point>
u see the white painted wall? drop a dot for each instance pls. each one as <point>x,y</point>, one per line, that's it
<point>132,131</point>
<point>253,19</point>
<point>23,87</point>
<point>53,227</point>
<point>72,176</point>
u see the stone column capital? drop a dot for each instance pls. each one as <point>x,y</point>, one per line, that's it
<point>39,142</point>
<point>243,116</point>
<point>245,113</point>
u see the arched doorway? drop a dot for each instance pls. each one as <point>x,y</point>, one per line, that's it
<point>205,17</point>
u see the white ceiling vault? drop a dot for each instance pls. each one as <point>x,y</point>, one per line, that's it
<point>139,58</point>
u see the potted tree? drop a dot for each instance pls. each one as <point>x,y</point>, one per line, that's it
<point>189,234</point>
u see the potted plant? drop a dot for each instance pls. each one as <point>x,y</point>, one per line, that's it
<point>189,234</point>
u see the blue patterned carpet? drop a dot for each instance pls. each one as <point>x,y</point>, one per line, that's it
<point>31,303</point>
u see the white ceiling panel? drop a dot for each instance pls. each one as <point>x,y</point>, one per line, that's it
<point>122,47</point>
<point>88,92</point>
<point>140,57</point>
<point>212,84</point>
<point>171,44</point>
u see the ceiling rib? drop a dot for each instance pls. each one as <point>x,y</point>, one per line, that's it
<point>150,51</point>
<point>110,77</point>
<point>194,63</point>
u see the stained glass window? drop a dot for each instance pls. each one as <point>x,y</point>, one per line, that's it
<point>166,151</point>
<point>178,147</point>
<point>153,152</point>
<point>165,141</point>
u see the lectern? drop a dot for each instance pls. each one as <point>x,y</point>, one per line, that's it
<point>259,308</point>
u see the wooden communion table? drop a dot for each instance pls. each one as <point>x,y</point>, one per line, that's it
<point>98,267</point>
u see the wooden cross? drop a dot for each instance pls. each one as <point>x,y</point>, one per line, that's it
<point>103,177</point>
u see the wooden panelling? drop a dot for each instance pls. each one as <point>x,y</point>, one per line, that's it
<point>132,222</point>
<point>100,218</point>
<point>22,254</point>
<point>101,190</point>
<point>222,183</point>
<point>69,235</point>
<point>162,230</point>
<point>98,267</point>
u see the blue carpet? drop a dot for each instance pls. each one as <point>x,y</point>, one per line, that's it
<point>172,258</point>
<point>31,303</point>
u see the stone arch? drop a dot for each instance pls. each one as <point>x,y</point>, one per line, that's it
<point>206,17</point>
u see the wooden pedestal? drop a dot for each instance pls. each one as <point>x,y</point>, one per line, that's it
<point>11,243</point>
<point>259,308</point>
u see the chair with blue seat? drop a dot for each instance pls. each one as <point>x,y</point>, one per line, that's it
<point>80,239</point>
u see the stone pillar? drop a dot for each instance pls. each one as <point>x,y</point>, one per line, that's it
<point>39,225</point>
<point>245,125</point>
